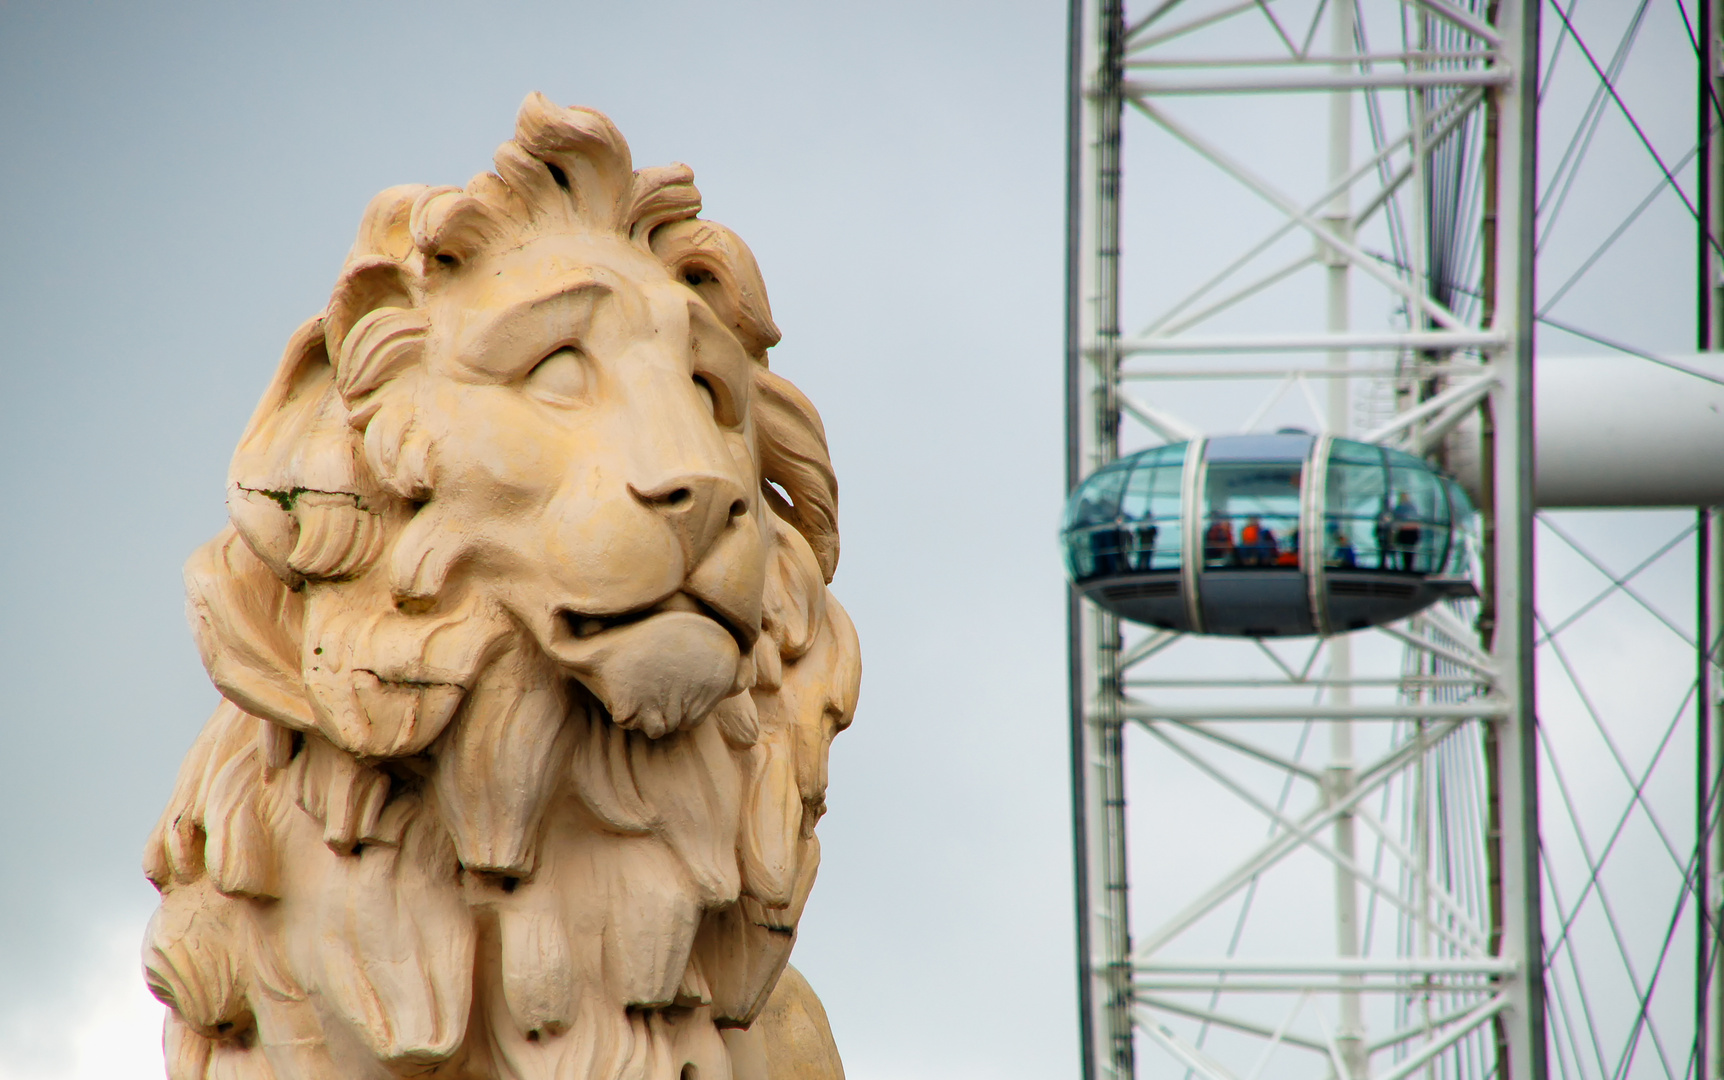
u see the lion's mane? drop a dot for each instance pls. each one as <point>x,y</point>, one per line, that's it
<point>405,843</point>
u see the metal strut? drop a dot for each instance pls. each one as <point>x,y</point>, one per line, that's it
<point>1421,806</point>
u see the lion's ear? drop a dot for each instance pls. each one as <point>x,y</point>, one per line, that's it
<point>718,265</point>
<point>793,456</point>
<point>364,286</point>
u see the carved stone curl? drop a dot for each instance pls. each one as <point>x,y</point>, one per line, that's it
<point>528,662</point>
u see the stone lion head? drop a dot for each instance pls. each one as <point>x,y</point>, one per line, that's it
<point>528,661</point>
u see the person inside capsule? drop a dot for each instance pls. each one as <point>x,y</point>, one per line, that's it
<point>1143,537</point>
<point>1253,505</point>
<point>1341,553</point>
<point>1256,543</point>
<point>1218,541</point>
<point>1102,527</point>
<point>1382,511</point>
<point>1404,532</point>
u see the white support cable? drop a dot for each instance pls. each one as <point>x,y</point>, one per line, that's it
<point>1317,229</point>
<point>1282,1035</point>
<point>1149,20</point>
<point>1196,984</point>
<point>1280,31</point>
<point>1326,424</point>
<point>1443,621</point>
<point>1388,80</point>
<point>1643,1018</point>
<point>1373,682</point>
<point>1175,63</point>
<point>1444,126</point>
<point>1617,583</point>
<point>1642,996</point>
<point>1420,340</point>
<point>1208,1016</point>
<point>1475,943</point>
<point>1569,913</point>
<point>1636,784</point>
<point>1485,669</point>
<point>1310,660</point>
<point>1192,1058</point>
<point>1279,846</point>
<point>1561,949</point>
<point>1249,899</point>
<point>1627,114</point>
<point>1406,1034</point>
<point>1403,967</point>
<point>1431,435</point>
<point>1268,757</point>
<point>1414,865</point>
<point>1181,29</point>
<point>1337,1060</point>
<point>1237,296</point>
<point>1163,423</point>
<point>1229,374</point>
<point>1269,403</point>
<point>1307,838</point>
<point>1462,397</point>
<point>1636,793</point>
<point>1621,583</point>
<point>1471,24</point>
<point>1580,142</point>
<point>1616,234</point>
<point>1419,1058</point>
<point>1641,990</point>
<point>1483,709</point>
<point>1285,668</point>
<point>1147,648</point>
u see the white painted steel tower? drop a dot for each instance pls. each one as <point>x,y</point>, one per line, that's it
<point>1322,856</point>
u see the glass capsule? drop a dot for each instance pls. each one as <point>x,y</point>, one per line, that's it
<point>1269,536</point>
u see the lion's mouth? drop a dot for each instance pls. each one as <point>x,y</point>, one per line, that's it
<point>583,626</point>
<point>657,669</point>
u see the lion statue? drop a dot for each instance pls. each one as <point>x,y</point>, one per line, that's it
<point>528,664</point>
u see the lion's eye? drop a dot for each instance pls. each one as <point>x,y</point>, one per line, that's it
<point>561,375</point>
<point>704,389</point>
<point>717,395</point>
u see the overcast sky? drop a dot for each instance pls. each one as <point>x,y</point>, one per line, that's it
<point>181,183</point>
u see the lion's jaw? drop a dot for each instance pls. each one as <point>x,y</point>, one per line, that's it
<point>579,473</point>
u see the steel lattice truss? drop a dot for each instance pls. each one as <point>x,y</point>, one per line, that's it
<point>1319,214</point>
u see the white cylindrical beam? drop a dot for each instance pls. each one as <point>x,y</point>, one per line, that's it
<point>1619,431</point>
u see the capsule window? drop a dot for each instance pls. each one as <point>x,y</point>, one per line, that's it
<point>1350,452</point>
<point>1150,517</point>
<point>1461,526</point>
<point>1252,517</point>
<point>1096,542</point>
<point>1356,501</point>
<point>1394,536</point>
<point>1415,523</point>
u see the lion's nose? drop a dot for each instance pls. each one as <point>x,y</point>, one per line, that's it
<point>697,506</point>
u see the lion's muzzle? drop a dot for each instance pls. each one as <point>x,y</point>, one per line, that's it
<point>659,672</point>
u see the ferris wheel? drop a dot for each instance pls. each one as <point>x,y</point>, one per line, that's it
<point>1360,788</point>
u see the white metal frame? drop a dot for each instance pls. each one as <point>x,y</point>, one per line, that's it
<point>1466,982</point>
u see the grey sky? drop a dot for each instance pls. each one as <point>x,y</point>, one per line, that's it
<point>181,183</point>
